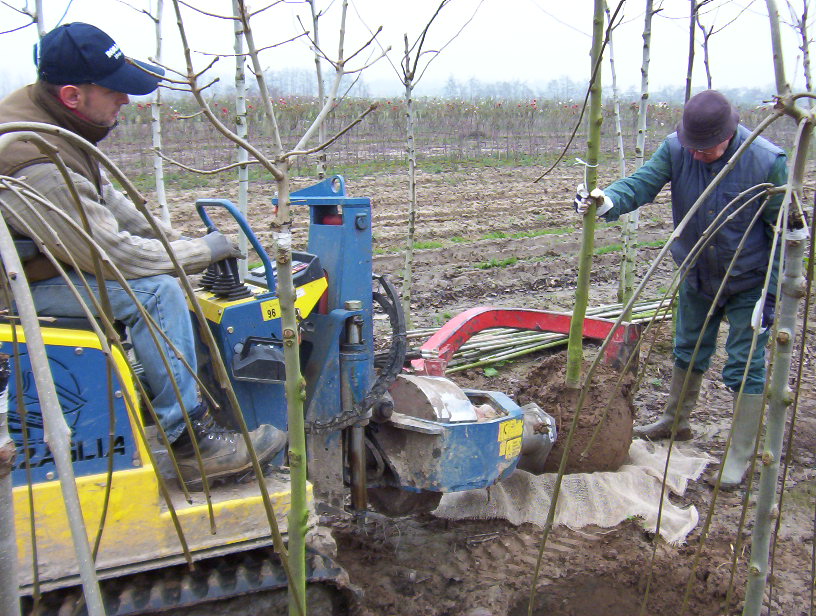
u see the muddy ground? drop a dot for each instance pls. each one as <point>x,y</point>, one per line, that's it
<point>426,566</point>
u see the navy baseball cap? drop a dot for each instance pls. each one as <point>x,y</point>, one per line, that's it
<point>79,53</point>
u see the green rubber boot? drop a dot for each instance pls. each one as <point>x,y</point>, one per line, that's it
<point>744,428</point>
<point>662,428</point>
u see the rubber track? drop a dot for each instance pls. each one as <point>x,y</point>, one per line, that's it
<point>172,588</point>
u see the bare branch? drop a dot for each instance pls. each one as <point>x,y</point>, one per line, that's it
<point>420,41</point>
<point>191,116</point>
<point>180,88</point>
<point>167,69</point>
<point>172,161</point>
<point>23,11</point>
<point>453,38</point>
<point>155,18</point>
<point>17,28</point>
<point>326,144</point>
<point>205,107</point>
<point>159,75</point>
<point>249,38</point>
<point>246,55</point>
<point>586,97</point>
<point>268,6</point>
<point>202,12</point>
<point>382,49</point>
<point>208,67</point>
<point>365,45</point>
<point>736,17</point>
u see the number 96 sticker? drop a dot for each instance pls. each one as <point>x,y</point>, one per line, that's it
<point>270,310</point>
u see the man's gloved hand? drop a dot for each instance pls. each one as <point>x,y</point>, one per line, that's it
<point>583,199</point>
<point>764,313</point>
<point>220,246</point>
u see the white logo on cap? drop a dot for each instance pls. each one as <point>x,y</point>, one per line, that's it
<point>114,51</point>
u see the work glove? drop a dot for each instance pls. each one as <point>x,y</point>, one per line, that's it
<point>584,198</point>
<point>764,313</point>
<point>220,246</point>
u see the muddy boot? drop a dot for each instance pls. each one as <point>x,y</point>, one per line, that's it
<point>744,431</point>
<point>662,428</point>
<point>223,452</point>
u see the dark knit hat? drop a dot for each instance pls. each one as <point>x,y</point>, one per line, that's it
<point>708,120</point>
<point>79,53</point>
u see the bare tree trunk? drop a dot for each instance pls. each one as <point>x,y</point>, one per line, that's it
<point>615,98</point>
<point>57,432</point>
<point>9,582</point>
<point>155,122</point>
<point>640,144</point>
<point>805,47</point>
<point>800,24</point>
<point>689,70</point>
<point>575,348</point>
<point>241,129</point>
<point>407,277</point>
<point>628,230</point>
<point>780,396</point>
<point>412,72</point>
<point>38,10</point>
<point>295,394</point>
<point>321,89</point>
<point>630,221</point>
<point>706,58</point>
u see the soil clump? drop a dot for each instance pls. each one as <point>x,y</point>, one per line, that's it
<point>603,433</point>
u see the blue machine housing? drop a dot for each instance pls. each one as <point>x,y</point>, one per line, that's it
<point>433,456</point>
<point>88,405</point>
<point>260,402</point>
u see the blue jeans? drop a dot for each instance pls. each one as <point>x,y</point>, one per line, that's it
<point>165,302</point>
<point>691,313</point>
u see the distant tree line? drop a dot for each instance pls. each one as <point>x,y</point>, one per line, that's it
<point>301,82</point>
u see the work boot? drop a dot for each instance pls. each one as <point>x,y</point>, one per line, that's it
<point>662,428</point>
<point>223,452</point>
<point>743,437</point>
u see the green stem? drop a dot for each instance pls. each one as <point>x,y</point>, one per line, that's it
<point>575,353</point>
<point>295,394</point>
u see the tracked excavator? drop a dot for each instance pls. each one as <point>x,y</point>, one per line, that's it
<point>385,432</point>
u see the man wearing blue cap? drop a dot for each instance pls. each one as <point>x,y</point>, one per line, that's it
<point>706,139</point>
<point>83,81</point>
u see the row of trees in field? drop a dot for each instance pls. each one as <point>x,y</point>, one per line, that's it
<point>507,130</point>
<point>296,82</point>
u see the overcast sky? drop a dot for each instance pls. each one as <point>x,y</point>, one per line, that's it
<point>529,41</point>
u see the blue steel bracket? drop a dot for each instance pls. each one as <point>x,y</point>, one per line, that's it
<point>322,371</point>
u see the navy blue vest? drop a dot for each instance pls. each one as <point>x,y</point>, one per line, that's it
<point>689,180</point>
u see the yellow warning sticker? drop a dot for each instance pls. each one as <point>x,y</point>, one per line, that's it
<point>510,449</point>
<point>270,309</point>
<point>511,429</point>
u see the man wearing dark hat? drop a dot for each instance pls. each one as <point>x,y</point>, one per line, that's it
<point>83,81</point>
<point>706,139</point>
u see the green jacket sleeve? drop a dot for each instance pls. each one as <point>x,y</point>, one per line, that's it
<point>640,188</point>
